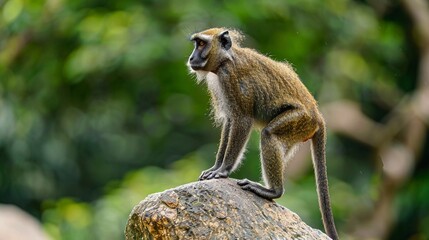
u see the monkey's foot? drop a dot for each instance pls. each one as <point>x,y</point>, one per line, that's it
<point>210,174</point>
<point>260,190</point>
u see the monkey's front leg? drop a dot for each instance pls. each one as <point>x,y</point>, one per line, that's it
<point>221,151</point>
<point>239,132</point>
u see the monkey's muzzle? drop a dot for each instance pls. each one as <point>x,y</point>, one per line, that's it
<point>196,64</point>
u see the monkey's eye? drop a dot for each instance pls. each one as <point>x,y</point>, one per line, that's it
<point>200,43</point>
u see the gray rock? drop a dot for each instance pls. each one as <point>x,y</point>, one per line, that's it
<point>214,209</point>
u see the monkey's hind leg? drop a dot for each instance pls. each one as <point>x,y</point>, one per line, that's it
<point>272,169</point>
<point>277,140</point>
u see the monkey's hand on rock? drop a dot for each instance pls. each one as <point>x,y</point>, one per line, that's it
<point>260,190</point>
<point>217,173</point>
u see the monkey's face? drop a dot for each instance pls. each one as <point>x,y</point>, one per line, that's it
<point>199,57</point>
<point>210,50</point>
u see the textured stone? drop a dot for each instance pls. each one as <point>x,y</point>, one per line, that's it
<point>214,209</point>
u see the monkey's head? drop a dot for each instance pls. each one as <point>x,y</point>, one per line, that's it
<point>212,48</point>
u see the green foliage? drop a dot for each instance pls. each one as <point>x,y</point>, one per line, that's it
<point>414,209</point>
<point>106,217</point>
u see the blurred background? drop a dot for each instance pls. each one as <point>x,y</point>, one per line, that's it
<point>97,108</point>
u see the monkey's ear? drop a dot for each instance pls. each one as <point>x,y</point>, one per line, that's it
<point>225,40</point>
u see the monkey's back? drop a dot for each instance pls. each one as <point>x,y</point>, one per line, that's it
<point>274,85</point>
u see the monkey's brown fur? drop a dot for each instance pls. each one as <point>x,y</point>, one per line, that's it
<point>250,90</point>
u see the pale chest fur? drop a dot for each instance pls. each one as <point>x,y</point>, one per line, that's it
<point>219,101</point>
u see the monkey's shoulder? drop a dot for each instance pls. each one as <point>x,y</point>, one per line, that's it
<point>250,61</point>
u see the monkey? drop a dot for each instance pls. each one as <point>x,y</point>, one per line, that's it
<point>249,90</point>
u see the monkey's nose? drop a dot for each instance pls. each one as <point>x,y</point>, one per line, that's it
<point>191,58</point>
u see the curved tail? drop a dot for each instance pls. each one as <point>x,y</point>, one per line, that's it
<point>319,163</point>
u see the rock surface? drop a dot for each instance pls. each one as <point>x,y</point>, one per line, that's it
<point>214,209</point>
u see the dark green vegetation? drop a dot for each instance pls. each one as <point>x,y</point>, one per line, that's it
<point>97,109</point>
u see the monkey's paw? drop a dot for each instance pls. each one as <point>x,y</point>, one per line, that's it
<point>260,190</point>
<point>210,174</point>
<point>244,183</point>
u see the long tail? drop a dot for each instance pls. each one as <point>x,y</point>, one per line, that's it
<point>319,162</point>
